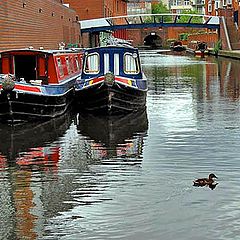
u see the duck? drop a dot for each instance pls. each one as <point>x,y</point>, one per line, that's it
<point>205,181</point>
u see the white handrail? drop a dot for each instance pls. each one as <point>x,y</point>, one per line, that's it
<point>226,33</point>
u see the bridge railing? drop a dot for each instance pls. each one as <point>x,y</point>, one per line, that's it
<point>150,20</point>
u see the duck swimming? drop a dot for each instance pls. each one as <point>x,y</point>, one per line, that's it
<point>205,181</point>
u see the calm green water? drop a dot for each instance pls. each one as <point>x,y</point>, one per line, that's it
<point>85,177</point>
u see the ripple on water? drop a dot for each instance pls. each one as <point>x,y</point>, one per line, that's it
<point>133,180</point>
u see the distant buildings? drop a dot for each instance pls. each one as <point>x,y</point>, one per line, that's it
<point>135,7</point>
<point>182,6</point>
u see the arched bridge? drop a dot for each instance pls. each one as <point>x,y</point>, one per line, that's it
<point>149,21</point>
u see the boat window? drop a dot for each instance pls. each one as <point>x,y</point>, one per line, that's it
<point>131,65</point>
<point>68,65</point>
<point>60,67</point>
<point>25,67</point>
<point>76,62</point>
<point>106,63</point>
<point>116,64</point>
<point>92,64</point>
<point>72,69</point>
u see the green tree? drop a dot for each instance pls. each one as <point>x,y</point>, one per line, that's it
<point>159,8</point>
<point>185,19</point>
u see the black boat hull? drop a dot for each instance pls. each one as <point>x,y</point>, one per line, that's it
<point>116,99</point>
<point>22,106</point>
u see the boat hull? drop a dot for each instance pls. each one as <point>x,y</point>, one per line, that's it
<point>179,49</point>
<point>115,99</point>
<point>23,106</point>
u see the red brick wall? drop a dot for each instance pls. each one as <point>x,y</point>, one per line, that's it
<point>89,9</point>
<point>173,33</point>
<point>36,23</point>
<point>135,35</point>
<point>209,38</point>
<point>138,35</point>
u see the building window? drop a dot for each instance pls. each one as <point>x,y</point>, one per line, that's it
<point>179,2</point>
<point>210,7</point>
<point>105,12</point>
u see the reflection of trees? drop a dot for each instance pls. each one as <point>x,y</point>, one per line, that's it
<point>174,77</point>
<point>210,78</point>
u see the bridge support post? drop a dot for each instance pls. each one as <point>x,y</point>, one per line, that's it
<point>93,39</point>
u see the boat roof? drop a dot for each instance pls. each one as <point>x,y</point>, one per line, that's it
<point>39,51</point>
<point>123,47</point>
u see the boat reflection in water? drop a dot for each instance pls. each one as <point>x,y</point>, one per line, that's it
<point>27,143</point>
<point>45,169</point>
<point>29,155</point>
<point>114,136</point>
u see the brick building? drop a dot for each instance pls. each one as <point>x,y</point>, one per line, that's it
<point>37,23</point>
<point>230,10</point>
<point>90,9</point>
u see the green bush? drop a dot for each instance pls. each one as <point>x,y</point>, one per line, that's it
<point>217,47</point>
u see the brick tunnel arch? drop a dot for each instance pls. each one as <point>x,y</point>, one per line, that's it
<point>153,40</point>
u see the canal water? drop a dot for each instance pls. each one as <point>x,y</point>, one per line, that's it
<point>131,177</point>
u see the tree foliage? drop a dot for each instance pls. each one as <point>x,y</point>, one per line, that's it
<point>185,19</point>
<point>160,8</point>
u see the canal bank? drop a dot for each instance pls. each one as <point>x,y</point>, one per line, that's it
<point>227,53</point>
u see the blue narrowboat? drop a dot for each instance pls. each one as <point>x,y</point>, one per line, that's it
<point>112,81</point>
<point>37,83</point>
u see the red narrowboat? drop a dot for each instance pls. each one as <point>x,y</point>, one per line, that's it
<point>37,83</point>
<point>198,48</point>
